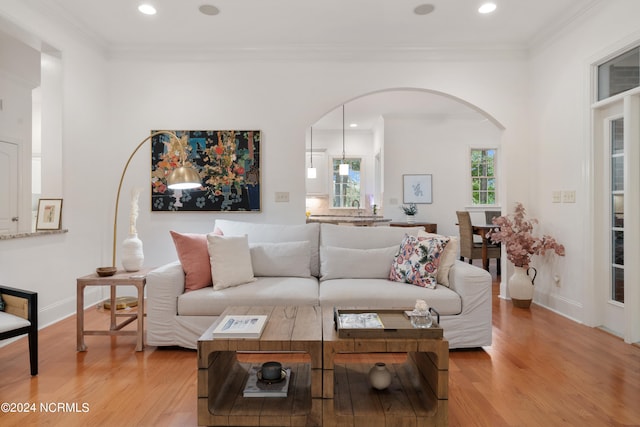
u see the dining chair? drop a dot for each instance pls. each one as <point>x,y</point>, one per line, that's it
<point>19,316</point>
<point>489,215</point>
<point>473,250</point>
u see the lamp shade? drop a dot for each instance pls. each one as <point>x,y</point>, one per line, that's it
<point>183,178</point>
<point>344,169</point>
<point>311,173</point>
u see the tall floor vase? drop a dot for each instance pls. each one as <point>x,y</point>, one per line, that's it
<point>521,286</point>
<point>132,255</point>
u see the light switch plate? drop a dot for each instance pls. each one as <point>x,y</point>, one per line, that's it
<point>569,196</point>
<point>282,196</point>
<point>556,196</point>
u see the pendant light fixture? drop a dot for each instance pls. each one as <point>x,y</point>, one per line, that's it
<point>344,166</point>
<point>311,171</point>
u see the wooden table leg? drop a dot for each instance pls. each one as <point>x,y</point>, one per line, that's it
<point>140,343</point>
<point>485,255</point>
<point>80,318</point>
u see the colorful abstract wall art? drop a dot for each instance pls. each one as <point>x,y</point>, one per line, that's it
<point>228,162</point>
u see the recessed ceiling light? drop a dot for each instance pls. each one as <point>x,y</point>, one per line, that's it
<point>147,9</point>
<point>487,7</point>
<point>353,125</point>
<point>209,9</point>
<point>424,9</point>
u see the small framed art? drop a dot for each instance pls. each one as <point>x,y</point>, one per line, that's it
<point>49,214</point>
<point>416,189</point>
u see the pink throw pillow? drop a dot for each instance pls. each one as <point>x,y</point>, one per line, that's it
<point>193,254</point>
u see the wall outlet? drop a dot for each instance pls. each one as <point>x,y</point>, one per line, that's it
<point>569,196</point>
<point>556,196</point>
<point>282,197</point>
<point>556,280</point>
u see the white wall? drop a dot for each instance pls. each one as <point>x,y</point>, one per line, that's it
<point>439,147</point>
<point>51,264</point>
<point>559,82</point>
<point>282,99</point>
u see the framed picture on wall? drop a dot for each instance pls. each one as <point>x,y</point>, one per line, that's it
<point>228,162</point>
<point>49,214</point>
<point>416,189</point>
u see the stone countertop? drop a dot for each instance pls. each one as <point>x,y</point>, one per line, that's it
<point>350,219</point>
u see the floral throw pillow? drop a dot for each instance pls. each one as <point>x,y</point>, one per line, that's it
<point>417,260</point>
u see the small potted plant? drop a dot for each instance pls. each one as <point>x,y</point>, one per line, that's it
<point>410,211</point>
<point>516,232</point>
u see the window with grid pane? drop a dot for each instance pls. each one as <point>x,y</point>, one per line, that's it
<point>483,176</point>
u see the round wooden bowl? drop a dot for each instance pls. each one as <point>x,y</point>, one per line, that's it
<point>106,271</point>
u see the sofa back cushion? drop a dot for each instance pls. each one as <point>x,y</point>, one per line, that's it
<point>286,259</point>
<point>364,237</point>
<point>277,233</point>
<point>343,263</point>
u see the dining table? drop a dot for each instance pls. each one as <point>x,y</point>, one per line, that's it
<point>482,230</point>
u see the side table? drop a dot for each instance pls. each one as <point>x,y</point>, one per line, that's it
<point>121,278</point>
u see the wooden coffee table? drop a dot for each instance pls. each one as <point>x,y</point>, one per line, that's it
<point>418,394</point>
<point>221,378</point>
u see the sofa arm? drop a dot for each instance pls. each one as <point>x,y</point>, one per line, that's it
<point>164,285</point>
<point>472,283</point>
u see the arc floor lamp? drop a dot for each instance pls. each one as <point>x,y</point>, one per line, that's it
<point>181,178</point>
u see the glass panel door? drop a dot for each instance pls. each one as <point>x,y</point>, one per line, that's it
<point>617,210</point>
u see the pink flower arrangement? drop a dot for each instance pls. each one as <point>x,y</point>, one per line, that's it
<point>515,231</point>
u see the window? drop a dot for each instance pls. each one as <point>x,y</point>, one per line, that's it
<point>346,188</point>
<point>619,74</point>
<point>483,176</point>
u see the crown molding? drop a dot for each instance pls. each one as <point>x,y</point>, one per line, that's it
<point>317,53</point>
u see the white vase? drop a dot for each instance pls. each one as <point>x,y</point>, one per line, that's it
<point>132,255</point>
<point>411,219</point>
<point>379,376</point>
<point>521,286</point>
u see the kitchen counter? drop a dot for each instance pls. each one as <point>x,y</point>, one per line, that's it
<point>356,220</point>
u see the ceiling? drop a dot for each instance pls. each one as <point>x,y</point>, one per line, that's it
<point>303,24</point>
<point>347,28</point>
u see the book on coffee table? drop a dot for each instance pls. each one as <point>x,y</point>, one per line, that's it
<point>360,320</point>
<point>240,326</point>
<point>257,388</point>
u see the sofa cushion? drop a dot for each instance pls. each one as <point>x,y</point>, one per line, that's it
<point>230,260</point>
<point>364,237</point>
<point>448,257</point>
<point>417,261</point>
<point>276,233</point>
<point>281,259</point>
<point>193,254</point>
<point>344,263</point>
<point>383,293</point>
<point>262,291</point>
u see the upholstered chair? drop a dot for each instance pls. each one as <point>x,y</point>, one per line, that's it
<point>18,317</point>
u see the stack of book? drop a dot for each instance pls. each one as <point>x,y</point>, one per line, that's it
<point>257,388</point>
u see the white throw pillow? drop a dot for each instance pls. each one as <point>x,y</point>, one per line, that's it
<point>230,260</point>
<point>347,263</point>
<point>448,257</point>
<point>289,259</point>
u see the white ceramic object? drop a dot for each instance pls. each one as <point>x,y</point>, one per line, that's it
<point>379,376</point>
<point>132,254</point>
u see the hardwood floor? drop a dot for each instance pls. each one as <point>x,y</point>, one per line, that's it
<point>542,370</point>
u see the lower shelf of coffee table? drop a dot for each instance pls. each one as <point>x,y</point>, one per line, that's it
<point>408,401</point>
<point>228,407</point>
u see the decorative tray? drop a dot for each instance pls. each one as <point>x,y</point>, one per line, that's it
<point>382,323</point>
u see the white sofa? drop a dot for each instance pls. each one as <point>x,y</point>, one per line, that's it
<point>347,268</point>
